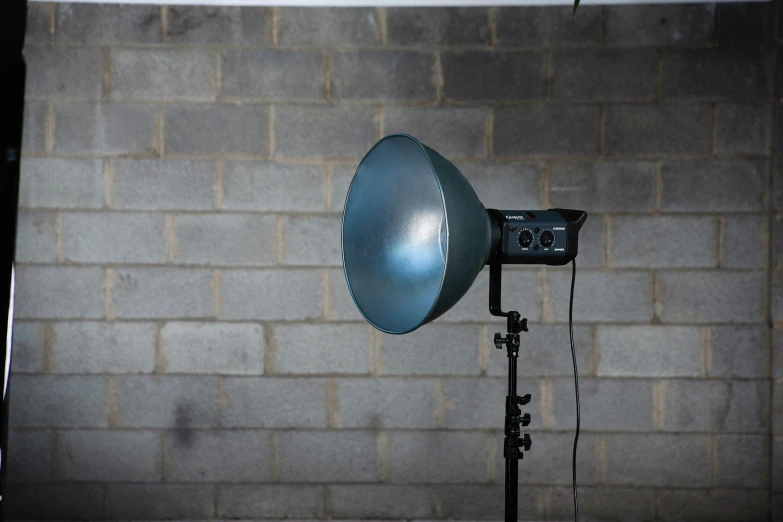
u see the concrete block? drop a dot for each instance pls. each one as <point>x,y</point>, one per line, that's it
<point>160,501</point>
<point>660,25</point>
<point>163,184</point>
<point>381,501</point>
<point>273,75</point>
<point>220,456</point>
<point>623,186</point>
<point>27,348</point>
<point>742,461</point>
<point>503,185</point>
<point>544,26</point>
<point>61,183</point>
<point>108,455</point>
<point>221,348</point>
<point>328,26</point>
<point>219,25</point>
<point>63,72</point>
<point>736,185</point>
<point>610,74</point>
<point>606,404</point>
<point>152,293</point>
<point>452,131</point>
<point>386,403</point>
<point>83,501</point>
<point>257,501</point>
<point>741,129</point>
<point>163,74</point>
<point>738,352</point>
<point>546,130</point>
<point>629,301</point>
<point>39,22</point>
<point>274,403</point>
<point>272,294</point>
<point>333,456</point>
<point>735,406</point>
<point>663,241</point>
<point>434,26</point>
<point>435,350</point>
<point>717,74</point>
<point>324,131</point>
<point>420,457</point>
<point>112,237</point>
<point>226,240</point>
<point>39,291</point>
<point>36,236</point>
<point>374,76</point>
<point>649,351</point>
<point>30,458</point>
<point>497,75</point>
<point>737,25</point>
<point>177,402</point>
<point>269,186</point>
<point>711,296</point>
<point>322,349</point>
<point>657,460</point>
<point>34,126</point>
<point>737,505</point>
<point>217,129</point>
<point>745,242</point>
<point>107,24</point>
<point>312,240</point>
<point>98,347</point>
<point>657,130</point>
<point>104,128</point>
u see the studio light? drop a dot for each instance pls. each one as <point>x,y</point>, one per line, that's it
<point>414,238</point>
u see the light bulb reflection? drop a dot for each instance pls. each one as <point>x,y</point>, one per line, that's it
<point>420,254</point>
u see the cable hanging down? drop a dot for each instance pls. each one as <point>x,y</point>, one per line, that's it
<point>576,385</point>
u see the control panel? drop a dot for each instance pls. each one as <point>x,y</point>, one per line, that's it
<point>538,236</point>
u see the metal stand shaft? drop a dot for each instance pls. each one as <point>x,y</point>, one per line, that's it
<point>514,442</point>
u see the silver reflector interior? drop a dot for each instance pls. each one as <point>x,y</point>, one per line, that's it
<point>414,235</point>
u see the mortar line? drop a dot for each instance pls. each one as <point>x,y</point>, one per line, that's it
<point>327,310</point>
<point>58,234</point>
<point>216,293</point>
<point>326,188</point>
<point>49,128</point>
<point>270,350</point>
<point>276,457</point>
<point>275,35</point>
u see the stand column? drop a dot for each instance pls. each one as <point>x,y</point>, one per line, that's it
<point>514,443</point>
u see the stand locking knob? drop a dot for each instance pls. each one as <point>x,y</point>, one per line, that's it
<point>525,419</point>
<point>525,442</point>
<point>499,341</point>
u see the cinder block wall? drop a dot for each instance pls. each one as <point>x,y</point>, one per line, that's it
<point>185,345</point>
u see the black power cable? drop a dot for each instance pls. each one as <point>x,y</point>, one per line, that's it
<point>576,384</point>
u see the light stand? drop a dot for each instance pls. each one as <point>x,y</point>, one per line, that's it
<point>513,444</point>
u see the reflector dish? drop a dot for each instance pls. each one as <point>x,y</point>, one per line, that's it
<point>414,235</point>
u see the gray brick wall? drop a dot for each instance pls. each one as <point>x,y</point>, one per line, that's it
<point>185,344</point>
